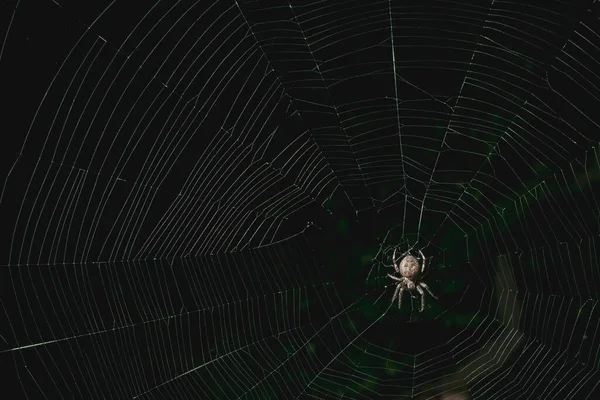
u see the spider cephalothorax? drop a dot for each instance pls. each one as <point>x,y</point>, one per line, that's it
<point>412,273</point>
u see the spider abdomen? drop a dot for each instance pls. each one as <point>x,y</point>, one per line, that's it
<point>409,268</point>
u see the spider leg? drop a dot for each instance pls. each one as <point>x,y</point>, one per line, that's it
<point>396,279</point>
<point>422,297</point>
<point>422,266</point>
<point>429,290</point>
<point>396,292</point>
<point>400,297</point>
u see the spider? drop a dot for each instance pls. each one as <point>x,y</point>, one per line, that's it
<point>411,273</point>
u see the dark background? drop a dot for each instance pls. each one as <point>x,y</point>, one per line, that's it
<point>201,199</point>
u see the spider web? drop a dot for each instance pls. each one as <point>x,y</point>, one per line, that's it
<point>201,199</point>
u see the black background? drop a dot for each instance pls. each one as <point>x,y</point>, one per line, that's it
<point>110,291</point>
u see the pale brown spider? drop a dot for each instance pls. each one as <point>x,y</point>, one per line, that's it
<point>412,273</point>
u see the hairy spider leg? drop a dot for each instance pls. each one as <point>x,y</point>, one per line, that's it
<point>429,290</point>
<point>400,297</point>
<point>396,292</point>
<point>422,297</point>
<point>397,279</point>
<point>422,266</point>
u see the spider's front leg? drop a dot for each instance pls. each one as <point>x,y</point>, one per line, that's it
<point>396,292</point>
<point>422,298</point>
<point>400,298</point>
<point>400,289</point>
<point>429,290</point>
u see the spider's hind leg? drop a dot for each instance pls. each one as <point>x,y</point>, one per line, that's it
<point>424,261</point>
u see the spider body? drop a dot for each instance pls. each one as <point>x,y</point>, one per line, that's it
<point>412,274</point>
<point>409,268</point>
